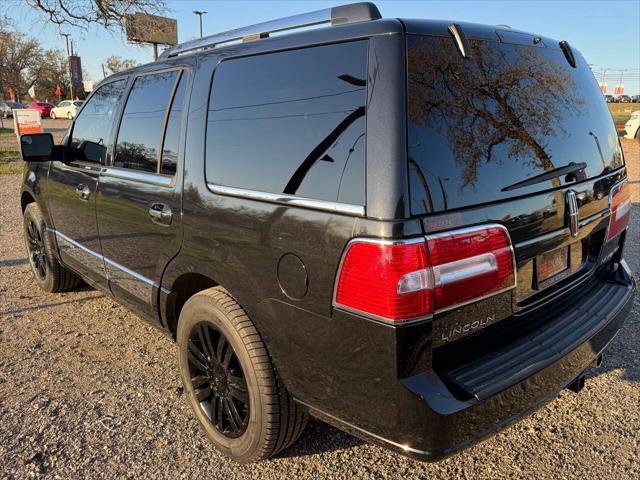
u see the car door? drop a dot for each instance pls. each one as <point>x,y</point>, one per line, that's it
<point>61,109</point>
<point>72,184</point>
<point>139,195</point>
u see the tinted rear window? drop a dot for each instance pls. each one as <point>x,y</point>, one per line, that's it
<point>142,122</point>
<point>506,114</point>
<point>291,123</point>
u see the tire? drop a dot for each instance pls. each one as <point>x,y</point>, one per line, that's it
<point>47,271</point>
<point>271,421</point>
<point>637,135</point>
<point>52,115</point>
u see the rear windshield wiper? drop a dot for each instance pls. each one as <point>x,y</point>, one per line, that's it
<point>543,177</point>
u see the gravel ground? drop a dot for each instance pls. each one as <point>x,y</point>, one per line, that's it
<point>87,390</point>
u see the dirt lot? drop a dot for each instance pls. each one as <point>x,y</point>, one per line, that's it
<point>87,390</point>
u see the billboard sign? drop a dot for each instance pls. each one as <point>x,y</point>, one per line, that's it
<point>76,69</point>
<point>144,28</point>
<point>618,90</point>
<point>603,87</point>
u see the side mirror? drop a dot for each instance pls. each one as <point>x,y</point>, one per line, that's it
<point>36,147</point>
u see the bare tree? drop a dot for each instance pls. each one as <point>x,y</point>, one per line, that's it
<point>490,102</point>
<point>21,61</point>
<point>54,73</point>
<point>111,14</point>
<point>117,64</point>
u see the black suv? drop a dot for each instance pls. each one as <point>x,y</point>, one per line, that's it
<point>410,229</point>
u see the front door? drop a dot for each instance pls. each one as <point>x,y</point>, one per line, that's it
<point>72,184</point>
<point>139,200</point>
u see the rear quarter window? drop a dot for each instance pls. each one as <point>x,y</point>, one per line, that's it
<point>291,123</point>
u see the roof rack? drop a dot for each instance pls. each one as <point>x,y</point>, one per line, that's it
<point>351,13</point>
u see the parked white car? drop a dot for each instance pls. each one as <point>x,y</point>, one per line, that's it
<point>632,126</point>
<point>66,109</point>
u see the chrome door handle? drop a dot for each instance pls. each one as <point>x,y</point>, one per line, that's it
<point>160,214</point>
<point>83,192</point>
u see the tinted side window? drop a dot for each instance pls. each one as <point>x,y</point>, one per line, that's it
<point>291,122</point>
<point>172,133</point>
<point>90,137</point>
<point>142,121</point>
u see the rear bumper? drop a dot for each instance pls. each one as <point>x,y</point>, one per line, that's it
<point>432,418</point>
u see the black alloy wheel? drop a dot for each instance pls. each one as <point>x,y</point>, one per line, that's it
<point>49,274</point>
<point>218,380</point>
<point>35,246</point>
<point>231,383</point>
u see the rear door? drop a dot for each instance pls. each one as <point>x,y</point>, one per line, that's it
<point>72,184</point>
<point>512,133</point>
<point>139,199</point>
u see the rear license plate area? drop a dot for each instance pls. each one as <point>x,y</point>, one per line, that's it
<point>551,267</point>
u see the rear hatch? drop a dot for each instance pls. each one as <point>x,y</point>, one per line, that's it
<point>503,128</point>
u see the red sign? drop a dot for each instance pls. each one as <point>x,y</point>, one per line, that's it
<point>603,87</point>
<point>618,90</point>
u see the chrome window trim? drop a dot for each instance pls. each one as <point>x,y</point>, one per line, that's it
<point>290,200</point>
<point>138,176</point>
<point>118,266</point>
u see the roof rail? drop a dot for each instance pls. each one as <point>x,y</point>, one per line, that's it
<point>351,13</point>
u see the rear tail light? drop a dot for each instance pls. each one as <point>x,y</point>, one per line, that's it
<point>620,206</point>
<point>400,281</point>
<point>387,280</point>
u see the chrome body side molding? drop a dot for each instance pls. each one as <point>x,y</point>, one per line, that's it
<point>291,200</point>
<point>116,274</point>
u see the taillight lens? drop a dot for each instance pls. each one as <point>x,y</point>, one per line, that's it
<point>620,205</point>
<point>470,264</point>
<point>385,280</point>
<point>402,281</point>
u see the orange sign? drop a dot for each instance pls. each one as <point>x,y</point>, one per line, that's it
<point>26,121</point>
<point>618,90</point>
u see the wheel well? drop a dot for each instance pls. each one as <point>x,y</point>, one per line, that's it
<point>25,200</point>
<point>184,288</point>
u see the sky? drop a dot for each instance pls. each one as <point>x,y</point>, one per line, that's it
<point>606,32</point>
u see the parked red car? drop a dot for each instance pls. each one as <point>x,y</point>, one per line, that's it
<point>43,107</point>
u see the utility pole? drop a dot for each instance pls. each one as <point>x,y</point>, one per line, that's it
<point>620,83</point>
<point>66,36</point>
<point>199,14</point>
